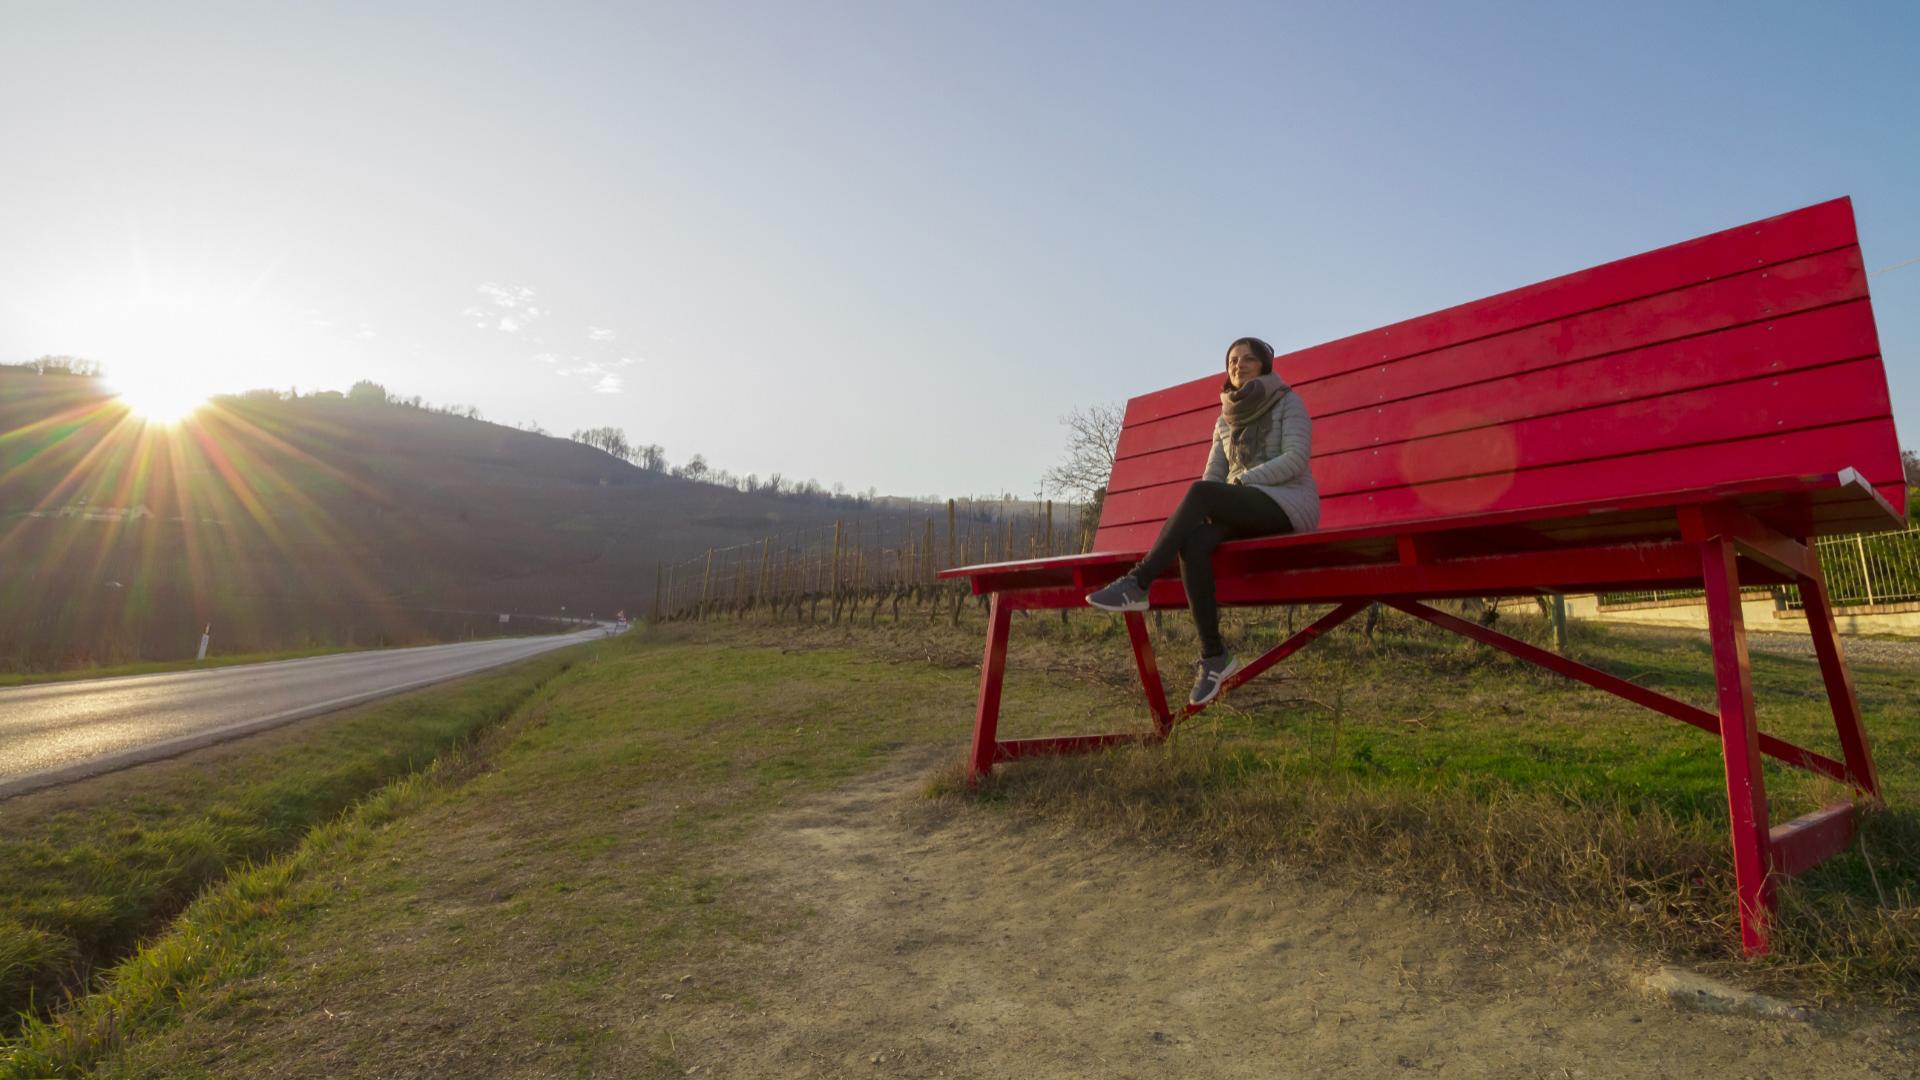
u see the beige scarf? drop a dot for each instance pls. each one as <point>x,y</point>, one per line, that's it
<point>1249,413</point>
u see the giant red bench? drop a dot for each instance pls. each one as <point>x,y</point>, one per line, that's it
<point>1690,416</point>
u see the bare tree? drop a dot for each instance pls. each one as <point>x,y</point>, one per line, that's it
<point>64,365</point>
<point>611,439</point>
<point>1093,433</point>
<point>1910,463</point>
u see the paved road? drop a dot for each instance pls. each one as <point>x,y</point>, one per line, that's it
<point>52,733</point>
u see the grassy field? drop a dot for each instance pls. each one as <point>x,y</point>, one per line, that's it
<point>573,859</point>
<point>624,753</point>
<point>1457,774</point>
<point>91,869</point>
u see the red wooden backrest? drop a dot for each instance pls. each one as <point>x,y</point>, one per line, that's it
<point>1745,355</point>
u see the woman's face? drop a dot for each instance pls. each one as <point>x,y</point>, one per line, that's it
<point>1243,365</point>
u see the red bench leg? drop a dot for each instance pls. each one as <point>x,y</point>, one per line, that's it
<point>993,671</point>
<point>1739,743</point>
<point>1143,659</point>
<point>1840,695</point>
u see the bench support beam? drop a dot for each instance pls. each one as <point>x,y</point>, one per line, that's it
<point>990,750</point>
<point>1810,839</point>
<point>1777,748</point>
<point>1751,537</point>
<point>1840,695</point>
<point>1294,644</point>
<point>1715,540</point>
<point>1149,668</point>
<point>1739,744</point>
<point>993,673</point>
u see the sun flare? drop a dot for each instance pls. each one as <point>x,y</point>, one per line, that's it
<point>160,400</point>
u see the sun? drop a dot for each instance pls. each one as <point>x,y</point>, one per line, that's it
<point>160,400</point>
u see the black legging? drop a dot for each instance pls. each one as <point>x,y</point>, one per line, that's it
<point>1210,514</point>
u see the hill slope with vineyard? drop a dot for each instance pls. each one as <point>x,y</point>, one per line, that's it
<point>322,520</point>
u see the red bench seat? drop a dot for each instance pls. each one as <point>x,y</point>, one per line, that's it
<point>1690,416</point>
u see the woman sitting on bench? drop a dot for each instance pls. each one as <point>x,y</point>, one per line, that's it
<point>1256,484</point>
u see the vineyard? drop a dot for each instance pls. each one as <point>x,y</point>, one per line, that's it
<point>842,570</point>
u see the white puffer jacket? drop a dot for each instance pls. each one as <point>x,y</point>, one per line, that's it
<point>1283,472</point>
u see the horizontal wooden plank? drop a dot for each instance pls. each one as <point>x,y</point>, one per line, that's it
<point>1184,463</point>
<point>1823,227</point>
<point>1816,281</point>
<point>1697,365</point>
<point>1172,433</point>
<point>1839,502</point>
<point>1818,397</point>
<point>1200,392</point>
<point>1838,393</point>
<point>1819,450</point>
<point>1815,450</point>
<point>1796,846</point>
<point>1586,345</point>
<point>1127,536</point>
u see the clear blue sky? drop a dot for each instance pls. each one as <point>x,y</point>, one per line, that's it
<point>888,244</point>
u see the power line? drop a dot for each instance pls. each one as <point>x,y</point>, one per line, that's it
<point>1895,266</point>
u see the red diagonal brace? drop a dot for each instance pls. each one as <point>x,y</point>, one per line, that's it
<point>1285,649</point>
<point>1149,672</point>
<point>1841,699</point>
<point>1771,746</point>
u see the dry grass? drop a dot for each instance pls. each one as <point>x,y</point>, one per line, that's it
<point>1470,781</point>
<point>1560,865</point>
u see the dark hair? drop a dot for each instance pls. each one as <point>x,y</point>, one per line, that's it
<point>1261,351</point>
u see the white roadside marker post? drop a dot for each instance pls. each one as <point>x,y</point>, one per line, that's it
<point>204,635</point>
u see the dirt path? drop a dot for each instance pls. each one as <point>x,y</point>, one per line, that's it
<point>971,945</point>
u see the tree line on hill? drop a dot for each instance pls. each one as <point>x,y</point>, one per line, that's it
<point>651,457</point>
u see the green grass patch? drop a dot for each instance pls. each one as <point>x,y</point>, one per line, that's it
<point>1461,768</point>
<point>89,870</point>
<point>550,874</point>
<point>1462,775</point>
<point>548,884</point>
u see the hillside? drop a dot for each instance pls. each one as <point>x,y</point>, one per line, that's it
<point>320,519</point>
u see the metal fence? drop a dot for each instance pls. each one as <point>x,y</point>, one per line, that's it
<point>1861,569</point>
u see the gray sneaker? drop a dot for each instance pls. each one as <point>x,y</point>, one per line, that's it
<point>1211,677</point>
<point>1123,595</point>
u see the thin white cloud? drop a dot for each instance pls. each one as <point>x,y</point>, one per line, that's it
<point>599,333</point>
<point>510,308</point>
<point>605,379</point>
<point>507,296</point>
